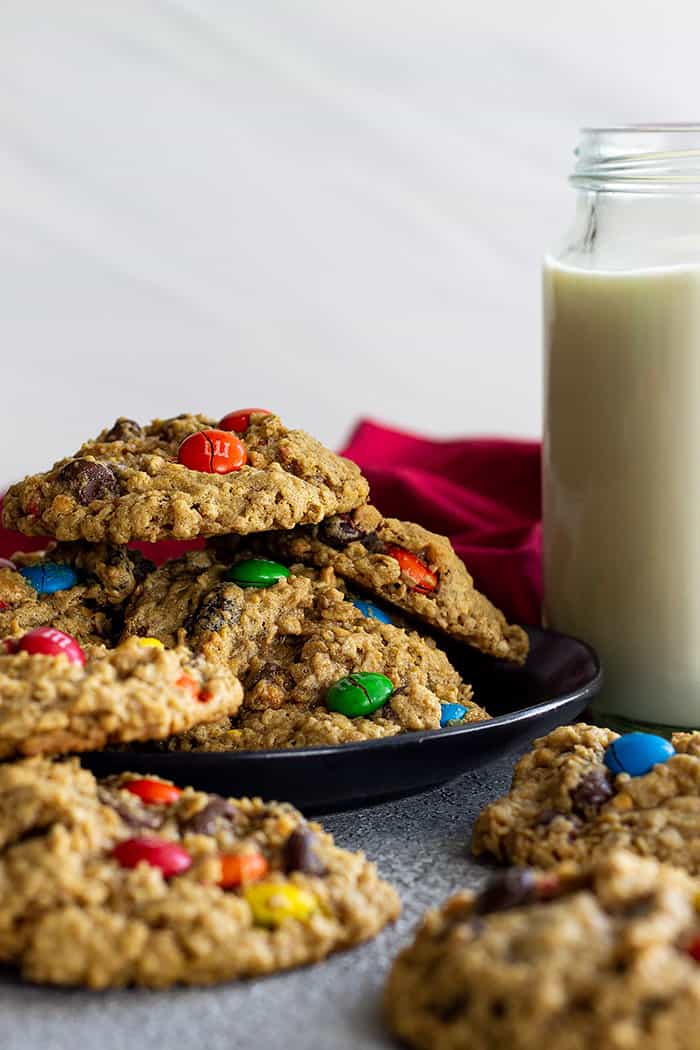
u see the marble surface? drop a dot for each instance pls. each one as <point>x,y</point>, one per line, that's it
<point>332,209</point>
<point>420,844</point>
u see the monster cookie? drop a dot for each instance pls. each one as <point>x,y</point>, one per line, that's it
<point>186,477</point>
<point>54,698</point>
<point>132,880</point>
<point>583,790</point>
<point>605,958</point>
<point>413,569</point>
<point>74,587</point>
<point>315,669</point>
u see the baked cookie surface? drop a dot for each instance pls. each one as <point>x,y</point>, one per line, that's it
<point>410,567</point>
<point>290,642</point>
<point>50,704</point>
<point>128,484</point>
<point>74,587</point>
<point>566,804</point>
<point>133,881</point>
<point>596,959</point>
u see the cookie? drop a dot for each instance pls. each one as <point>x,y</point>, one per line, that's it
<point>606,958</point>
<point>74,587</point>
<point>54,698</point>
<point>132,881</point>
<point>565,803</point>
<point>182,478</point>
<point>414,569</point>
<point>291,642</point>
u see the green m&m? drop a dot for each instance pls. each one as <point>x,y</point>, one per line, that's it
<point>257,572</point>
<point>360,694</point>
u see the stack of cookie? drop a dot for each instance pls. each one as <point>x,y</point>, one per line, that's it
<point>303,618</point>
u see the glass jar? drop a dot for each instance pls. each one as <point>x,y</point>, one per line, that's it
<point>621,457</point>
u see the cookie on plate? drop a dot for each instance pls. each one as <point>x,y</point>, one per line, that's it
<point>186,477</point>
<point>317,667</point>
<point>570,797</point>
<point>74,587</point>
<point>414,569</point>
<point>55,698</point>
<point>604,958</point>
<point>131,880</point>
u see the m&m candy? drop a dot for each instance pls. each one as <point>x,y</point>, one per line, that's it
<point>47,641</point>
<point>239,868</point>
<point>153,792</point>
<point>146,642</point>
<point>420,576</point>
<point>49,577</point>
<point>637,753</point>
<point>168,856</point>
<point>273,902</point>
<point>451,713</point>
<point>240,419</point>
<point>212,452</point>
<point>257,572</point>
<point>360,694</point>
<point>370,610</point>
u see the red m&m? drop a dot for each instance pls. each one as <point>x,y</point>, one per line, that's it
<point>47,641</point>
<point>168,856</point>
<point>153,792</point>
<point>421,577</point>
<point>240,420</point>
<point>212,452</point>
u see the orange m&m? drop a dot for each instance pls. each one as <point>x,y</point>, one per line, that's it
<point>153,792</point>
<point>421,577</point>
<point>212,452</point>
<point>240,419</point>
<point>237,868</point>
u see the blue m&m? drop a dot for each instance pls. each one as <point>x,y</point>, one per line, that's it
<point>371,610</point>
<point>450,713</point>
<point>637,753</point>
<point>49,577</point>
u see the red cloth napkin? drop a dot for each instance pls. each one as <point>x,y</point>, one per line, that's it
<point>483,493</point>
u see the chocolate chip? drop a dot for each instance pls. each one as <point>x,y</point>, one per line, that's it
<point>138,817</point>
<point>299,853</point>
<point>273,673</point>
<point>88,481</point>
<point>592,791</point>
<point>339,531</point>
<point>545,818</point>
<point>373,544</point>
<point>514,887</point>
<point>221,607</point>
<point>124,430</point>
<point>203,821</point>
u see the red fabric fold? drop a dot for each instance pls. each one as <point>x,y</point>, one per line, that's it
<point>484,493</point>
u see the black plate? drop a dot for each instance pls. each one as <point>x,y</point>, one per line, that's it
<point>560,677</point>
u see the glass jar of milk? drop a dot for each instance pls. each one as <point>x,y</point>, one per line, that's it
<point>622,422</point>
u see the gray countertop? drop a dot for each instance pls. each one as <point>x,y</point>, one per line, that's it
<point>420,845</point>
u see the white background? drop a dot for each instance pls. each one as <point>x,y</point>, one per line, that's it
<point>330,209</point>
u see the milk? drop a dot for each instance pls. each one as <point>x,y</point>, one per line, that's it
<point>622,480</point>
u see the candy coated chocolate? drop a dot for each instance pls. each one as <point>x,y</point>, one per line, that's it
<point>212,452</point>
<point>360,694</point>
<point>48,641</point>
<point>372,611</point>
<point>168,856</point>
<point>49,577</point>
<point>239,421</point>
<point>257,572</point>
<point>638,753</point>
<point>451,713</point>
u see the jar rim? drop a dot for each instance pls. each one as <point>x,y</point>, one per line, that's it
<point>639,158</point>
